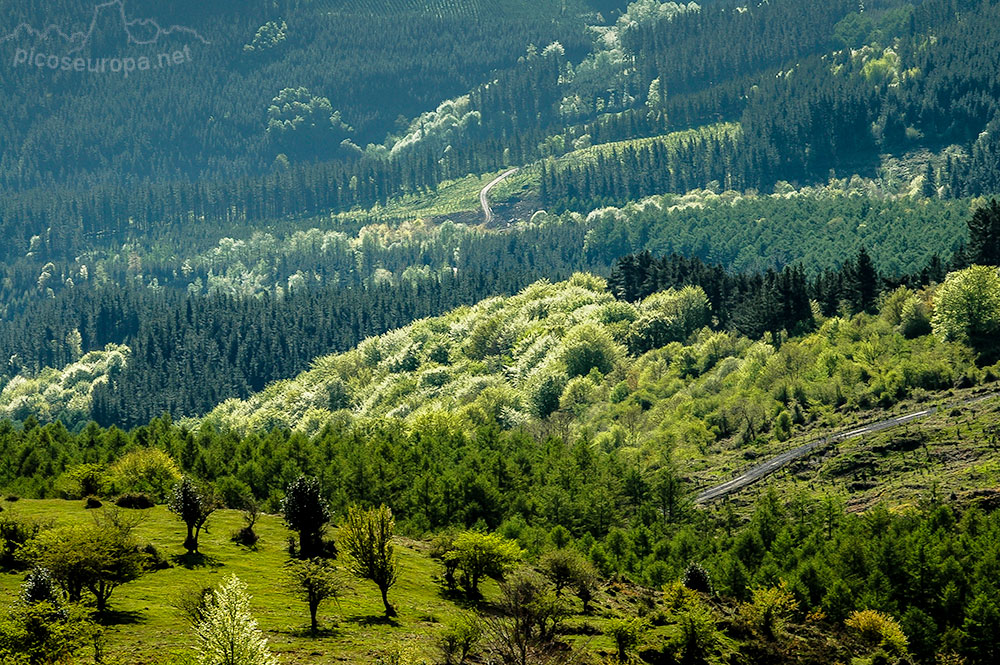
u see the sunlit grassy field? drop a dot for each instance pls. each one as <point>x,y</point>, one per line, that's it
<point>145,626</point>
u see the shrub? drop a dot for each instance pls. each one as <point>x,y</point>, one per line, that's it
<point>135,501</point>
<point>92,502</point>
<point>145,471</point>
<point>15,534</point>
<point>878,630</point>
<point>246,536</point>
<point>460,639</point>
<point>478,555</point>
<point>625,633</point>
<point>154,558</point>
<point>769,610</point>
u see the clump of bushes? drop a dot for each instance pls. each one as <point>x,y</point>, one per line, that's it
<point>135,501</point>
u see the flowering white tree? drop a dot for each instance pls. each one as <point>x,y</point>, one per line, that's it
<point>228,634</point>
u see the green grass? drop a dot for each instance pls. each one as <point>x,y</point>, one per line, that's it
<point>458,197</point>
<point>147,625</point>
<point>671,141</point>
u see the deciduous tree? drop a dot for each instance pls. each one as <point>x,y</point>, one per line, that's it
<point>366,536</point>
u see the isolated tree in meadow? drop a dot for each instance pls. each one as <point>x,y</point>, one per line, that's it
<point>366,536</point>
<point>193,503</point>
<point>478,555</point>
<point>228,633</point>
<point>99,558</point>
<point>314,581</point>
<point>306,513</point>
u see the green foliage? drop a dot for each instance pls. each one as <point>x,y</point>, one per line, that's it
<point>668,316</point>
<point>568,568</point>
<point>314,581</point>
<point>769,611</point>
<point>193,504</point>
<point>268,36</point>
<point>878,630</point>
<point>366,537</point>
<point>16,533</point>
<point>306,511</point>
<point>299,120</point>
<point>64,394</point>
<point>460,640</point>
<point>98,557</point>
<point>967,308</point>
<point>228,634</point>
<point>42,633</point>
<point>477,555</point>
<point>144,471</point>
<point>626,634</point>
<point>984,234</point>
<point>697,637</point>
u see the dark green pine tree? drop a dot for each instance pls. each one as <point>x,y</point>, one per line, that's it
<point>984,235</point>
<point>863,283</point>
<point>929,188</point>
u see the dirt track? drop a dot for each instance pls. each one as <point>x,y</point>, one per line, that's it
<point>770,466</point>
<point>485,192</point>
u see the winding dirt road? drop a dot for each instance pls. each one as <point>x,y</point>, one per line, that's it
<point>770,466</point>
<point>485,192</point>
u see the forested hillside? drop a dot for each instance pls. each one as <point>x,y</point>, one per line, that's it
<point>519,332</point>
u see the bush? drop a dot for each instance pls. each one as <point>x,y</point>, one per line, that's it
<point>92,502</point>
<point>135,501</point>
<point>82,480</point>
<point>478,555</point>
<point>15,533</point>
<point>459,640</point>
<point>878,630</point>
<point>147,471</point>
<point>246,537</point>
<point>769,611</point>
<point>625,633</point>
<point>39,587</point>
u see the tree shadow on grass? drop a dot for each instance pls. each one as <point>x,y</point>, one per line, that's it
<point>119,618</point>
<point>374,620</point>
<point>460,598</point>
<point>191,561</point>
<point>324,631</point>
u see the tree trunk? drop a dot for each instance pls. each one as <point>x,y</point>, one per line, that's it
<point>101,594</point>
<point>314,627</point>
<point>191,542</point>
<point>389,609</point>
